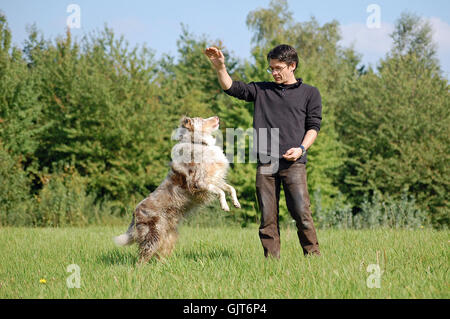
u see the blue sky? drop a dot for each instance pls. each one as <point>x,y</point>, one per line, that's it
<point>158,23</point>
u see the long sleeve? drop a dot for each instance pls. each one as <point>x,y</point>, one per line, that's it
<point>242,91</point>
<point>314,111</point>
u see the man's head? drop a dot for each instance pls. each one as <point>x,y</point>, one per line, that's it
<point>283,61</point>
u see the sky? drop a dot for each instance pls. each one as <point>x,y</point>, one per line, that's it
<point>158,24</point>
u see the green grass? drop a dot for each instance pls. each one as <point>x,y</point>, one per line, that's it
<point>224,262</point>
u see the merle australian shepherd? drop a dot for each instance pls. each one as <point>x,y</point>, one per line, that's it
<point>197,175</point>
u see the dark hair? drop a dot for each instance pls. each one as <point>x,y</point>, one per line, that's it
<point>284,53</point>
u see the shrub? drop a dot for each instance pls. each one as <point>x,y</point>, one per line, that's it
<point>64,201</point>
<point>15,200</point>
<point>376,211</point>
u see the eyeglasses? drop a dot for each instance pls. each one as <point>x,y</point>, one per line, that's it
<point>270,70</point>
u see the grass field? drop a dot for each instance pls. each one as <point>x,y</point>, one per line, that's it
<point>224,262</point>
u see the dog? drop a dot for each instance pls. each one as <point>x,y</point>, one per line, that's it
<point>197,174</point>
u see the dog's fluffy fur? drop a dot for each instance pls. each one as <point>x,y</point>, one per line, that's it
<point>197,173</point>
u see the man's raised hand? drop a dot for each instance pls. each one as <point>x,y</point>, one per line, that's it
<point>218,61</point>
<point>216,57</point>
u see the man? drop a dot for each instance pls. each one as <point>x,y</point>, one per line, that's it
<point>290,112</point>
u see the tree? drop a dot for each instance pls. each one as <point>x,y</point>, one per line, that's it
<point>102,114</point>
<point>20,107</point>
<point>395,124</point>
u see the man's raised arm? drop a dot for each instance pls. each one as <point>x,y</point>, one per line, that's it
<point>218,61</point>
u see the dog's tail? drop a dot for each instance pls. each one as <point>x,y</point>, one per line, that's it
<point>128,237</point>
<point>123,240</point>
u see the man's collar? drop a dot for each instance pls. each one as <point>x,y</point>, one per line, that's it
<point>288,86</point>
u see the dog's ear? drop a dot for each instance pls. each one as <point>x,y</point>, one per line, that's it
<point>186,122</point>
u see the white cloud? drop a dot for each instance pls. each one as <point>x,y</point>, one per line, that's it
<point>441,35</point>
<point>374,41</point>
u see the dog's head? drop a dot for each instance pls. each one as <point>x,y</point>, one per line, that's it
<point>197,129</point>
<point>198,124</point>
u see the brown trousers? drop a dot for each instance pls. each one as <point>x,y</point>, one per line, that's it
<point>293,177</point>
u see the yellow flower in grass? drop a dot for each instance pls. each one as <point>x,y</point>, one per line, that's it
<point>43,281</point>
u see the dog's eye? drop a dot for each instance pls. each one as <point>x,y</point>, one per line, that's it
<point>187,123</point>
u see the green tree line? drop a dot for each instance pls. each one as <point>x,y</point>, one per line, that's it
<point>85,126</point>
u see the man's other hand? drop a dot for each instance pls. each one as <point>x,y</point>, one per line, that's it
<point>293,154</point>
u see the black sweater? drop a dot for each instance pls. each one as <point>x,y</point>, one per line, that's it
<point>293,109</point>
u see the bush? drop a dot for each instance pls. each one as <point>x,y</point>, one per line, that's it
<point>376,211</point>
<point>388,212</point>
<point>64,201</point>
<point>340,216</point>
<point>15,201</point>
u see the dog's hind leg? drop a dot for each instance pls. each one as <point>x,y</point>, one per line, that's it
<point>145,253</point>
<point>147,235</point>
<point>148,248</point>
<point>167,244</point>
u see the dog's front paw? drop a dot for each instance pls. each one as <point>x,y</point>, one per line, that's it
<point>237,204</point>
<point>225,207</point>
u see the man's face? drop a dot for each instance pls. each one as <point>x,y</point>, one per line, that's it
<point>281,72</point>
